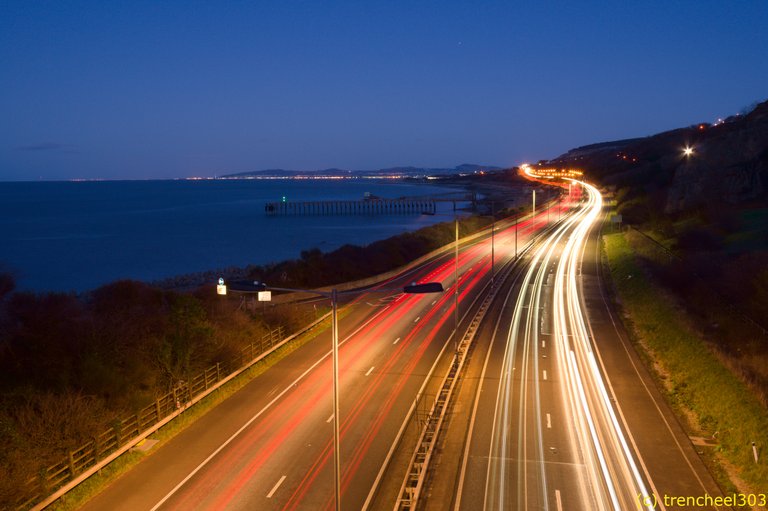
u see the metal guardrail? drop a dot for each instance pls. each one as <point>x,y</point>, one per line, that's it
<point>413,484</point>
<point>130,430</point>
<point>127,432</point>
<point>419,467</point>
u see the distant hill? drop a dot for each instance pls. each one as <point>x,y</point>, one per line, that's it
<point>590,149</point>
<point>463,169</point>
<point>708,205</point>
<point>726,168</point>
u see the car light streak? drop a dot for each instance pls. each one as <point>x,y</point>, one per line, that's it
<point>497,490</point>
<point>603,466</point>
<point>294,413</point>
<point>361,448</point>
<point>209,482</point>
<point>620,477</point>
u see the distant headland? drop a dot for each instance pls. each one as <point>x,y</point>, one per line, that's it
<point>393,172</point>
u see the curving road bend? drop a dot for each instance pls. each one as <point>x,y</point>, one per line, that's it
<point>594,467</point>
<point>547,430</point>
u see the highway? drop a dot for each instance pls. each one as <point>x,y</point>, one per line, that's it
<point>270,445</point>
<point>549,373</point>
<point>547,429</point>
<point>554,411</point>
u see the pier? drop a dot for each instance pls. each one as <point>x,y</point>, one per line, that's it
<point>354,207</point>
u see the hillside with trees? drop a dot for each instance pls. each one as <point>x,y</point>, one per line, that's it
<point>72,365</point>
<point>696,202</point>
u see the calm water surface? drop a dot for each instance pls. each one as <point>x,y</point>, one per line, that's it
<point>64,236</point>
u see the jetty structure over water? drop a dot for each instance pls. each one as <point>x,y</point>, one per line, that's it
<point>369,205</point>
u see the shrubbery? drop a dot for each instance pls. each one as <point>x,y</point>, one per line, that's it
<point>71,365</point>
<point>712,384</point>
<point>349,262</point>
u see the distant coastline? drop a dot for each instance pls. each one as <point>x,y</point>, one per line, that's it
<point>409,172</point>
<point>393,173</point>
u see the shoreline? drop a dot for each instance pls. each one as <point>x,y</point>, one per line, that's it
<point>76,237</point>
<point>177,238</point>
<point>504,195</point>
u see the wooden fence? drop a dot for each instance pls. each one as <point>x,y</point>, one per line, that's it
<point>128,429</point>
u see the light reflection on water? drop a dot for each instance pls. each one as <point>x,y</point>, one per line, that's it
<point>78,235</point>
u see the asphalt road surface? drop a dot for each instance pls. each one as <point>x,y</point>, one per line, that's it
<point>563,416</point>
<point>270,446</point>
<point>554,409</point>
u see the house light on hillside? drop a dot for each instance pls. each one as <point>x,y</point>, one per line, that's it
<point>688,151</point>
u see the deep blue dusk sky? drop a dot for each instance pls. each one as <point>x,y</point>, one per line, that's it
<point>108,89</point>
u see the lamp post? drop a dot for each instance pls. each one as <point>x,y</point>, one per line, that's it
<point>517,219</point>
<point>456,274</point>
<point>456,287</point>
<point>548,208</point>
<point>264,291</point>
<point>533,213</point>
<point>493,231</point>
<point>336,439</point>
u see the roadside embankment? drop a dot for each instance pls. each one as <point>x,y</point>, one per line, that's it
<point>712,400</point>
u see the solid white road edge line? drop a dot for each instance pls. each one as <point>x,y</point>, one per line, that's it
<point>258,414</point>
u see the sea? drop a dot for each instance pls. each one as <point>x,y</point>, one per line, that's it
<point>74,236</point>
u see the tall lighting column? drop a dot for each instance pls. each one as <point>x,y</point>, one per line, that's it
<point>456,288</point>
<point>336,440</point>
<point>493,230</point>
<point>333,295</point>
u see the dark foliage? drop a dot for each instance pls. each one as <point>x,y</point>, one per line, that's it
<point>348,263</point>
<point>71,365</point>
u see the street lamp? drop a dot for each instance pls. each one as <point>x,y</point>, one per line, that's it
<point>264,294</point>
<point>456,287</point>
<point>517,220</point>
<point>493,232</point>
<point>456,282</point>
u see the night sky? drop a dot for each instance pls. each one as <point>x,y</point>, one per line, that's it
<point>134,90</point>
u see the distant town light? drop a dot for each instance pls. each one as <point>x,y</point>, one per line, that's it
<point>688,151</point>
<point>553,173</point>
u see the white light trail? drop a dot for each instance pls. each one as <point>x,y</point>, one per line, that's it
<point>606,473</point>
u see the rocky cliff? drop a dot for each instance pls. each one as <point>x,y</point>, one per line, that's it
<point>727,164</point>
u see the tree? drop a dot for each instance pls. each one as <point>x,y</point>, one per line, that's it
<point>188,334</point>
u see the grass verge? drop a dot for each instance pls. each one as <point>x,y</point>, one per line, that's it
<point>91,487</point>
<point>696,382</point>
